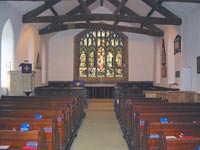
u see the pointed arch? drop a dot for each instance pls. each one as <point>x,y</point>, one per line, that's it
<point>101,55</point>
<point>43,64</point>
<point>7,52</point>
<point>31,51</point>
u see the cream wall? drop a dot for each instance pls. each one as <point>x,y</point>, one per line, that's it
<point>140,49</point>
<point>29,39</point>
<point>22,35</point>
<point>173,62</point>
<point>191,45</point>
<point>61,54</point>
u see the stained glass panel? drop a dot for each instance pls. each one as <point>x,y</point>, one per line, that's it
<point>101,62</point>
<point>109,62</point>
<point>83,65</point>
<point>101,54</point>
<point>91,63</point>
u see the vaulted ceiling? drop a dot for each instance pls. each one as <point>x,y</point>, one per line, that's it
<point>136,16</point>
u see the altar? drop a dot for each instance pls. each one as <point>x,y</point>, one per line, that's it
<point>100,90</point>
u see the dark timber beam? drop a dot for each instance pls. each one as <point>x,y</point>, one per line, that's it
<point>162,10</point>
<point>53,11</point>
<point>150,13</point>
<point>103,26</point>
<point>117,10</point>
<point>119,7</point>
<point>184,1</point>
<point>126,10</point>
<point>39,10</point>
<point>100,17</point>
<point>85,7</point>
<point>71,12</point>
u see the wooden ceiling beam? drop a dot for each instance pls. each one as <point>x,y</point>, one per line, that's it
<point>126,10</point>
<point>162,10</point>
<point>71,12</point>
<point>184,1</point>
<point>53,11</point>
<point>39,10</point>
<point>119,7</point>
<point>102,17</point>
<point>102,26</point>
<point>150,13</point>
<point>85,7</point>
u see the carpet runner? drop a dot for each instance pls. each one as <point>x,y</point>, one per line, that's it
<point>100,129</point>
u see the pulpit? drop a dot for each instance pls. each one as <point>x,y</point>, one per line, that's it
<point>20,83</point>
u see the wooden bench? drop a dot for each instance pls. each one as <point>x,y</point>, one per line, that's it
<point>52,134</point>
<point>60,115</point>
<point>133,126</point>
<point>150,136</point>
<point>73,111</point>
<point>19,139</point>
<point>73,101</point>
<point>178,143</point>
<point>155,107</point>
<point>76,114</point>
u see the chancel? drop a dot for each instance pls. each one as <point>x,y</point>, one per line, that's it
<point>100,74</point>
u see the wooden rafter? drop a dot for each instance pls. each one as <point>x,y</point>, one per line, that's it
<point>129,12</point>
<point>120,14</point>
<point>39,10</point>
<point>103,26</point>
<point>75,10</point>
<point>162,10</point>
<point>119,7</point>
<point>100,17</point>
<point>184,1</point>
<point>150,13</point>
<point>85,7</point>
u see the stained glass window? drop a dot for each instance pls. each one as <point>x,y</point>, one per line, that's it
<point>101,54</point>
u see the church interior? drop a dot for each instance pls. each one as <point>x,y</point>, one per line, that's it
<point>100,74</point>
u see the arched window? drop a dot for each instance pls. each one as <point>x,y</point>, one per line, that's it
<point>43,64</point>
<point>101,55</point>
<point>7,50</point>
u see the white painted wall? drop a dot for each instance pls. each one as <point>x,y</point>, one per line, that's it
<point>190,33</point>
<point>22,34</point>
<point>173,62</point>
<point>61,55</point>
<point>140,51</point>
<point>8,13</point>
<point>191,45</point>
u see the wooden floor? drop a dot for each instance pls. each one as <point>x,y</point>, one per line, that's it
<point>100,129</point>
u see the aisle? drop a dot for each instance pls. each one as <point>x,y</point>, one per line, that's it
<point>100,129</point>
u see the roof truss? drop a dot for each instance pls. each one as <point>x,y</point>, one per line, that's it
<point>82,13</point>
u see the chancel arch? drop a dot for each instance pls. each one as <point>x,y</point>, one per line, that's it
<point>101,56</point>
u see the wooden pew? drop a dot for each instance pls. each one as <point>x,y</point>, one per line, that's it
<point>174,117</point>
<point>75,115</point>
<point>61,116</point>
<point>72,121</point>
<point>18,139</point>
<point>168,129</point>
<point>178,143</point>
<point>74,101</point>
<point>52,136</point>
<point>157,108</point>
